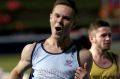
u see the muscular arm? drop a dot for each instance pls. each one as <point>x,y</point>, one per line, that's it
<point>24,63</point>
<point>85,57</point>
<point>83,71</point>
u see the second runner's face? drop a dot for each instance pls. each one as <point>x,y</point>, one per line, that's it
<point>103,38</point>
<point>61,20</point>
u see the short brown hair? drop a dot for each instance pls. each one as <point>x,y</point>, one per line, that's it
<point>70,3</point>
<point>98,23</point>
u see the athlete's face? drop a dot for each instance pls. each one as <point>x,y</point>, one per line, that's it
<point>103,38</point>
<point>61,20</point>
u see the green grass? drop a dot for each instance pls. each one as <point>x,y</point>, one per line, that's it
<point>9,61</point>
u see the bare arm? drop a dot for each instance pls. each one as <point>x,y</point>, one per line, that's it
<point>86,57</point>
<point>86,63</point>
<point>24,63</point>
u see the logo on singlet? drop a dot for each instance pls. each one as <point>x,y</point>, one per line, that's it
<point>68,63</point>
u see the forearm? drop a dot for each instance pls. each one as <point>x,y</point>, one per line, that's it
<point>15,75</point>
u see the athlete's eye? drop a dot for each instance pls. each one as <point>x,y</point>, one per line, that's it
<point>105,34</point>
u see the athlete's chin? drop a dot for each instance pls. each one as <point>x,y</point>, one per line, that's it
<point>107,48</point>
<point>57,36</point>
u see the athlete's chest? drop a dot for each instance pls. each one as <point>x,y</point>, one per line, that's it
<point>54,66</point>
<point>103,62</point>
<point>103,73</point>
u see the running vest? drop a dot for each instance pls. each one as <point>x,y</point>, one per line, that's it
<point>46,65</point>
<point>104,73</point>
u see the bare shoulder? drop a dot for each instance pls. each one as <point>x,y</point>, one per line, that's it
<point>85,52</point>
<point>116,57</point>
<point>27,51</point>
<point>24,63</point>
<point>84,56</point>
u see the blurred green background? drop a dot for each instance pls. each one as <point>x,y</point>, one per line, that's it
<point>26,16</point>
<point>33,15</point>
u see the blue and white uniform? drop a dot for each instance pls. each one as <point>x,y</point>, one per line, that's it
<point>46,65</point>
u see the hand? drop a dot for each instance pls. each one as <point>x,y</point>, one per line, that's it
<point>81,72</point>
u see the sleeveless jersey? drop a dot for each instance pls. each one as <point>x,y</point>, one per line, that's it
<point>104,73</point>
<point>46,65</point>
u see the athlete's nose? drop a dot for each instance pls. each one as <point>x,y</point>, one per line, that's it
<point>108,37</point>
<point>59,19</point>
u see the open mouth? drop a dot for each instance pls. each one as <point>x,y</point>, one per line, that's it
<point>108,44</point>
<point>58,28</point>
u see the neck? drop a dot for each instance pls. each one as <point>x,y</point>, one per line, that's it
<point>97,52</point>
<point>58,42</point>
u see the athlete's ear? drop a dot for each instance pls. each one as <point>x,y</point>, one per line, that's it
<point>50,16</point>
<point>91,38</point>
